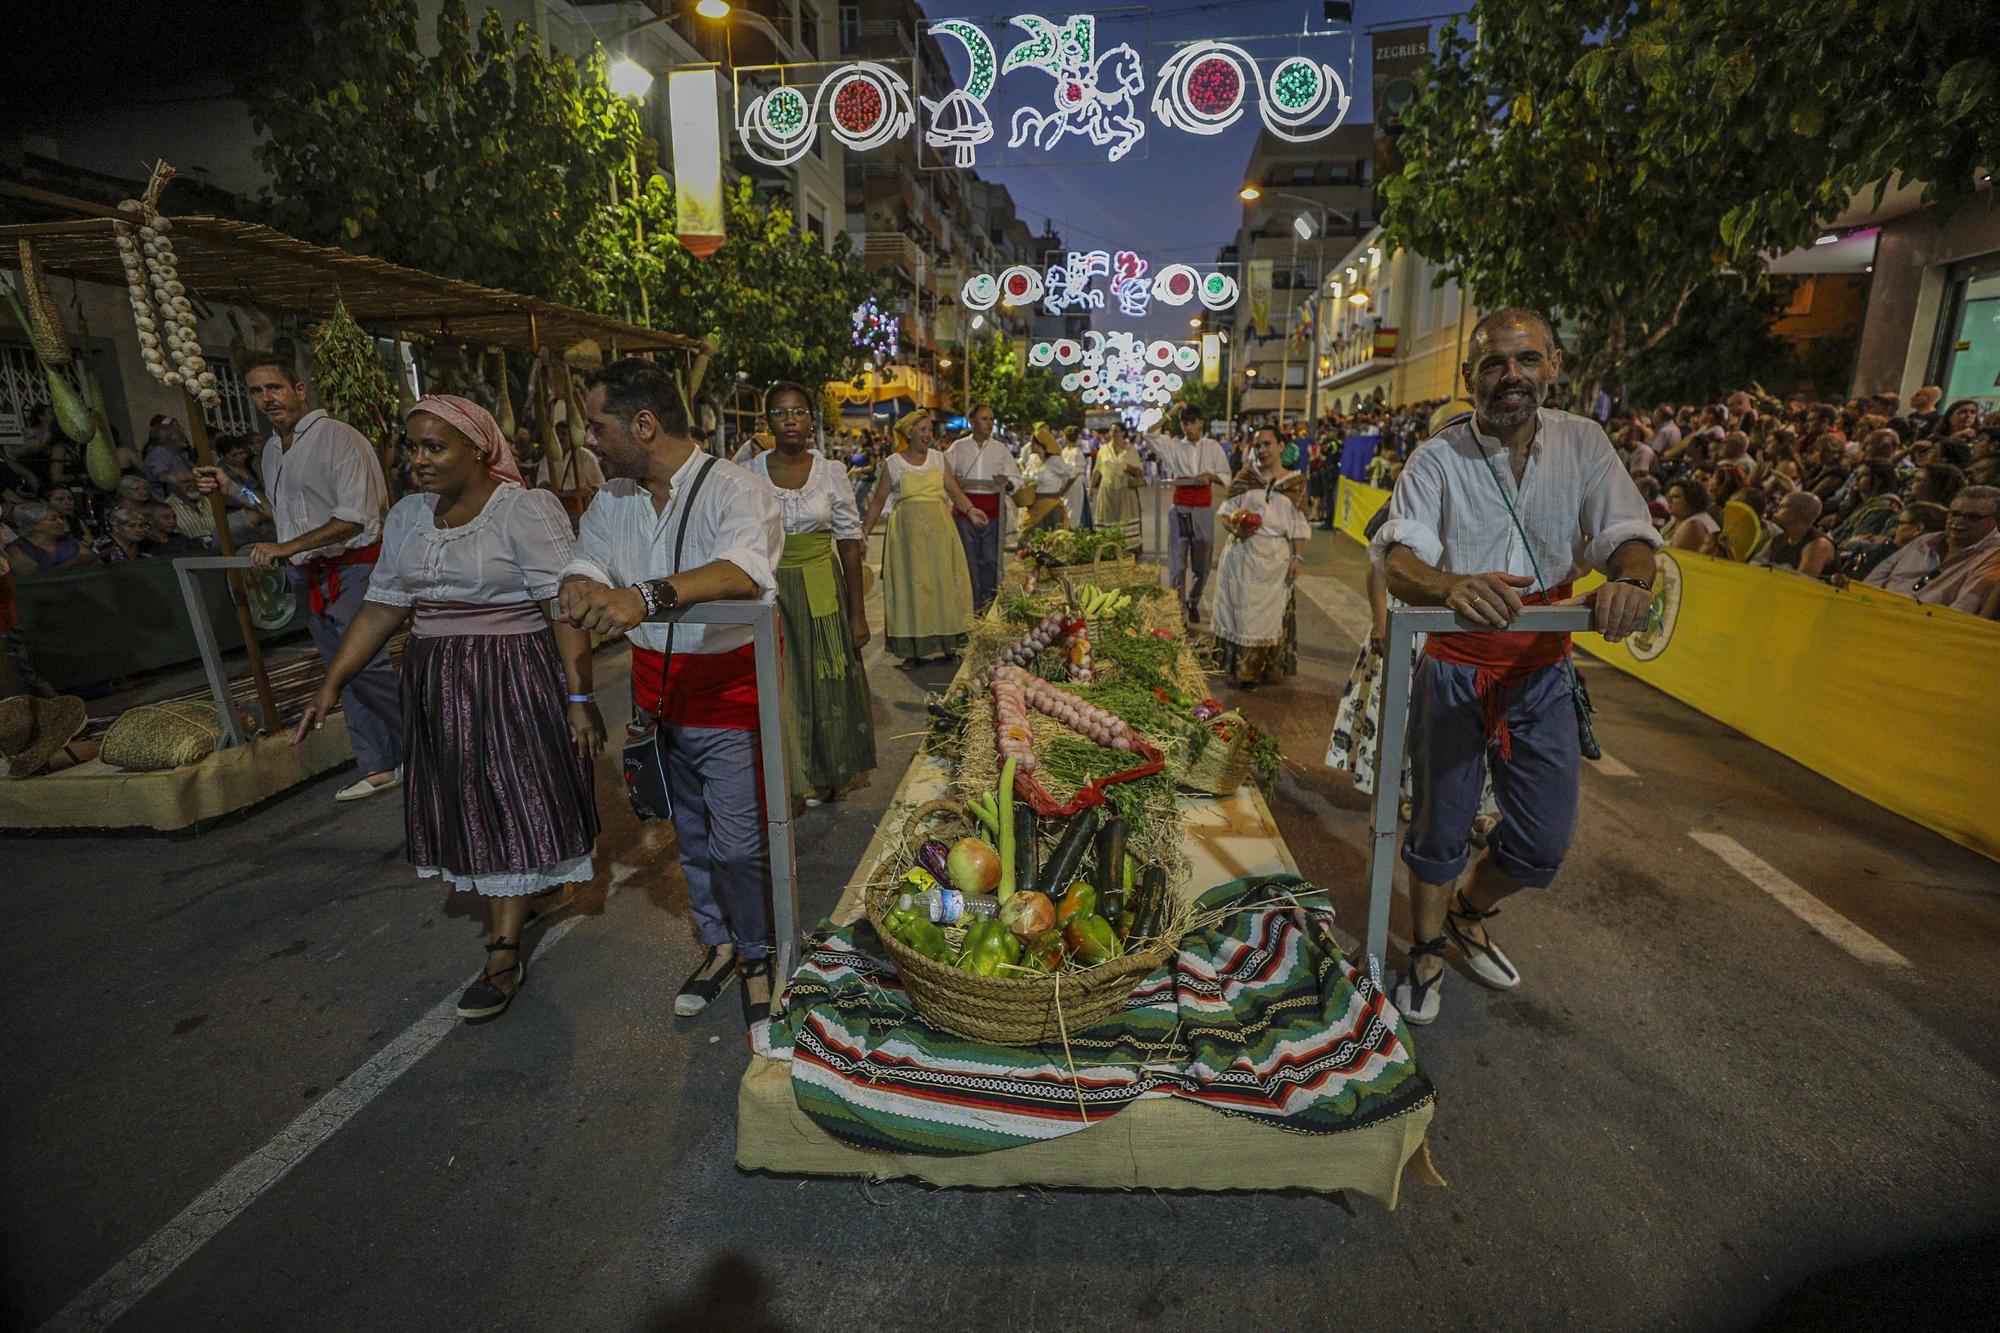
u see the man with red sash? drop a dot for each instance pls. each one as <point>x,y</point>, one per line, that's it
<point>1498,512</point>
<point>327,498</point>
<point>1194,465</point>
<point>986,471</point>
<point>697,682</point>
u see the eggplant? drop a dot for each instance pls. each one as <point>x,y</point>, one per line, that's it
<point>1027,864</point>
<point>1153,894</point>
<point>935,857</point>
<point>1111,869</point>
<point>1067,859</point>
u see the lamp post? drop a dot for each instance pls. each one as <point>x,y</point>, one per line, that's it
<point>1303,228</point>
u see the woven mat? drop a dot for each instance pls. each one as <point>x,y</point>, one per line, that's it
<point>1260,1016</point>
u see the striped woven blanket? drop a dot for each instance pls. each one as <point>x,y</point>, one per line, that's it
<point>1260,1016</point>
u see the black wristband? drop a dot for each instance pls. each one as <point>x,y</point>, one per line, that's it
<point>1637,583</point>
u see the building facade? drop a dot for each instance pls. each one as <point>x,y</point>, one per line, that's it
<point>1393,333</point>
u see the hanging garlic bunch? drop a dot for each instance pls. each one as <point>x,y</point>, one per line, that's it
<point>162,309</point>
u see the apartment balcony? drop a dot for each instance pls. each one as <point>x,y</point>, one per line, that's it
<point>893,250</point>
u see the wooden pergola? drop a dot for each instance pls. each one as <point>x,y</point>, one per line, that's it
<point>222,261</point>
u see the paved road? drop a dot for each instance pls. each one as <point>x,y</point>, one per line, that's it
<point>1700,1106</point>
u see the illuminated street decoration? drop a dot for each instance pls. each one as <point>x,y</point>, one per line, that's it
<point>1020,285</point>
<point>1094,96</point>
<point>867,105</point>
<point>980,292</point>
<point>1118,369</point>
<point>1203,86</point>
<point>959,120</point>
<point>877,332</point>
<point>1128,284</point>
<point>1178,284</point>
<point>1068,284</point>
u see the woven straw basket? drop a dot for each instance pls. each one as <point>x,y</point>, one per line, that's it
<point>1220,766</point>
<point>1008,1011</point>
<point>161,736</point>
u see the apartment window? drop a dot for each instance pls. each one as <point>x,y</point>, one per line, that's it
<point>1302,174</point>
<point>1339,173</point>
<point>850,27</point>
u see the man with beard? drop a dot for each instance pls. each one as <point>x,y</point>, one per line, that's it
<point>677,527</point>
<point>327,498</point>
<point>1493,514</point>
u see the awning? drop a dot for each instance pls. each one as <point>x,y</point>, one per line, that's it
<point>224,262</point>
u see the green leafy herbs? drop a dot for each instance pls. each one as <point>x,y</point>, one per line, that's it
<point>1075,763</point>
<point>1021,609</point>
<point>1265,758</point>
<point>1141,659</point>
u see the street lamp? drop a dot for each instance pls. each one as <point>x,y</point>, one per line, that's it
<point>1249,193</point>
<point>1195,323</point>
<point>713,9</point>
<point>629,78</point>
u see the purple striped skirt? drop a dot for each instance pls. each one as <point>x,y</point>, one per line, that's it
<point>493,782</point>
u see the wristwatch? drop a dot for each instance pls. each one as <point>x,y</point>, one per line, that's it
<point>1637,583</point>
<point>659,595</point>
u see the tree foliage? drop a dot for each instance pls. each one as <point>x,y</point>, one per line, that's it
<point>485,160</point>
<point>1019,399</point>
<point>1723,343</point>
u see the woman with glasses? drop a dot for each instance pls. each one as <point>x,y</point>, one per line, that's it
<point>829,712</point>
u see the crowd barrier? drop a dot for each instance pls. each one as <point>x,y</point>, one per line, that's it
<point>1883,695</point>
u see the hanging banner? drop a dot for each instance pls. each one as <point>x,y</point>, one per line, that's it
<point>1260,297</point>
<point>1211,359</point>
<point>1398,54</point>
<point>1021,357</point>
<point>695,98</point>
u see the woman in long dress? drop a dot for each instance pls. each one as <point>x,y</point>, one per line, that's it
<point>1054,478</point>
<point>499,723</point>
<point>1256,625</point>
<point>926,585</point>
<point>1120,474</point>
<point>830,723</point>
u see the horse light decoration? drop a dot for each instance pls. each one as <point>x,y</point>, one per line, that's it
<point>1067,286</point>
<point>869,106</point>
<point>1095,96</point>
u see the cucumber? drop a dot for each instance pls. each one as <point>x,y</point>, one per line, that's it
<point>1027,856</point>
<point>1067,859</point>
<point>1110,872</point>
<point>1153,893</point>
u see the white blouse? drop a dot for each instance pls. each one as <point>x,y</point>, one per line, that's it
<point>898,464</point>
<point>824,504</point>
<point>513,551</point>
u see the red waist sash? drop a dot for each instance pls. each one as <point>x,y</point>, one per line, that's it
<point>698,689</point>
<point>322,574</point>
<point>1193,497</point>
<point>986,502</point>
<point>1502,661</point>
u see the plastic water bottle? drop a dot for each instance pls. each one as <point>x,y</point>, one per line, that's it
<point>950,907</point>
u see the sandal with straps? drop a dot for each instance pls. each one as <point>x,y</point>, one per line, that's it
<point>1489,966</point>
<point>483,999</point>
<point>755,969</point>
<point>703,985</point>
<point>1419,1001</point>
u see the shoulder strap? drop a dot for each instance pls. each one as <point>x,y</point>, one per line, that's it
<point>680,546</point>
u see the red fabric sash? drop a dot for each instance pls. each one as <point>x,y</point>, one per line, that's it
<point>323,574</point>
<point>1193,497</point>
<point>986,502</point>
<point>10,619</point>
<point>699,689</point>
<point>1500,662</point>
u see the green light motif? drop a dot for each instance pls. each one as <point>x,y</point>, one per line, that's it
<point>1296,84</point>
<point>785,110</point>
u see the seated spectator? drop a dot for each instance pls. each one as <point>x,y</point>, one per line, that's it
<point>20,478</point>
<point>193,518</point>
<point>1655,498</point>
<point>44,545</point>
<point>243,493</point>
<point>1689,527</point>
<point>1859,557</point>
<point>1984,471</point>
<point>163,535</point>
<point>1963,414</point>
<point>1792,542</point>
<point>1924,412</point>
<point>166,451</point>
<point>1935,483</point>
<point>63,500</point>
<point>1874,505</point>
<point>1957,568</point>
<point>1666,430</point>
<point>125,535</point>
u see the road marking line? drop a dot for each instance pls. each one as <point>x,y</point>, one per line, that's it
<point>1800,903</point>
<point>153,1262</point>
<point>1345,607</point>
<point>1610,767</point>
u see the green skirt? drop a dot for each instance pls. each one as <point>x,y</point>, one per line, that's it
<point>829,711</point>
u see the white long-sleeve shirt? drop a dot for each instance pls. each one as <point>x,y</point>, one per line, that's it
<point>1577,503</point>
<point>329,472</point>
<point>1182,458</point>
<point>983,467</point>
<point>735,518</point>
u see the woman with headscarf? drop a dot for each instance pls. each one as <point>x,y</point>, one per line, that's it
<point>1120,474</point>
<point>926,583</point>
<point>1053,476</point>
<point>499,723</point>
<point>830,724</point>
<point>1256,624</point>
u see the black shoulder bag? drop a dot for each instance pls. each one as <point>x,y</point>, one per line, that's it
<point>1586,735</point>
<point>645,762</point>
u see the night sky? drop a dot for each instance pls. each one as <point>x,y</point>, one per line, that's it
<point>1174,197</point>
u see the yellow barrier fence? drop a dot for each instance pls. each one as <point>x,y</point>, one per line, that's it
<point>1354,504</point>
<point>1881,694</point>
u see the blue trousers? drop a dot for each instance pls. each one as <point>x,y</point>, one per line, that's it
<point>1189,541</point>
<point>372,700</point>
<point>716,784</point>
<point>1535,789</point>
<point>982,557</point>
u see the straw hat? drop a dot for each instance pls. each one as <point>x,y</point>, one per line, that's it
<point>1447,413</point>
<point>32,729</point>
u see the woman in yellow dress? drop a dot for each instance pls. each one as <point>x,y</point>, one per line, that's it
<point>1120,474</point>
<point>926,585</point>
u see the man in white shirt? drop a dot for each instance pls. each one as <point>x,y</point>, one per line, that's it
<point>986,472</point>
<point>327,498</point>
<point>676,527</point>
<point>1493,514</point>
<point>1194,465</point>
<point>578,472</point>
